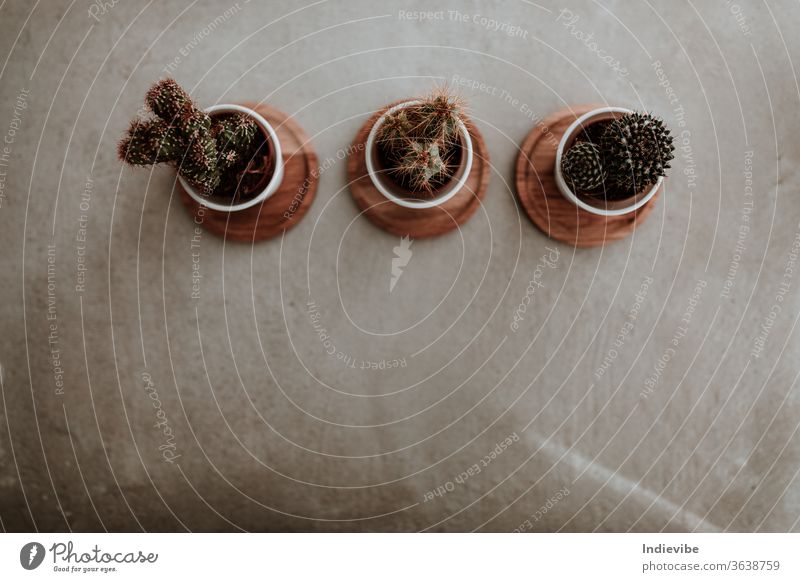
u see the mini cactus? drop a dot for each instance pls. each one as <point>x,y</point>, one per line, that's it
<point>234,136</point>
<point>210,153</point>
<point>629,154</point>
<point>166,99</point>
<point>439,116</point>
<point>394,131</point>
<point>421,164</point>
<point>582,166</point>
<point>637,149</point>
<point>420,141</point>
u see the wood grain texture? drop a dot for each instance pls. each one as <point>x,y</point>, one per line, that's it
<point>556,216</point>
<point>417,223</point>
<point>287,206</point>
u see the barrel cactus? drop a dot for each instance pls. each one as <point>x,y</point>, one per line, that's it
<point>208,152</point>
<point>420,142</point>
<point>421,164</point>
<point>637,149</point>
<point>629,154</point>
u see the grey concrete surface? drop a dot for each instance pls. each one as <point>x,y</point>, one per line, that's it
<point>650,385</point>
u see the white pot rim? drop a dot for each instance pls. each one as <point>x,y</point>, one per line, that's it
<point>378,176</point>
<point>567,192</point>
<point>277,174</point>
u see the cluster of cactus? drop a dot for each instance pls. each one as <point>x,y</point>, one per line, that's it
<point>632,153</point>
<point>208,152</point>
<point>420,141</point>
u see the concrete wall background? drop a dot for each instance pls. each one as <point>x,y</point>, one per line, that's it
<point>274,434</point>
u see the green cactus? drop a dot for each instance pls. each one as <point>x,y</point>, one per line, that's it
<point>234,135</point>
<point>439,115</point>
<point>422,164</point>
<point>420,141</point>
<point>151,142</point>
<point>208,152</point>
<point>166,99</point>
<point>394,131</point>
<point>637,149</point>
<point>582,167</point>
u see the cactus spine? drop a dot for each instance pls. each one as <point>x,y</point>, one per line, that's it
<point>632,153</point>
<point>583,167</point>
<point>637,149</point>
<point>207,152</point>
<point>420,141</point>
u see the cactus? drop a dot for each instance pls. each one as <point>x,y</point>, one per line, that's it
<point>166,99</point>
<point>629,154</point>
<point>422,164</point>
<point>420,141</point>
<point>210,153</point>
<point>582,166</point>
<point>439,115</point>
<point>637,149</point>
<point>394,131</point>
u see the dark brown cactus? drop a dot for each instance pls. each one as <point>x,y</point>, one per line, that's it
<point>205,151</point>
<point>420,141</point>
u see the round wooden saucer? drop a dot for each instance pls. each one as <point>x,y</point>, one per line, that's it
<point>556,216</point>
<point>412,222</point>
<point>286,206</point>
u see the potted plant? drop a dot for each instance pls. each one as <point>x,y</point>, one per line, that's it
<point>228,157</point>
<point>419,153</point>
<point>612,160</point>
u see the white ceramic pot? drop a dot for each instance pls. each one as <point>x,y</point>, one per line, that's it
<point>392,191</point>
<point>217,202</point>
<point>590,204</point>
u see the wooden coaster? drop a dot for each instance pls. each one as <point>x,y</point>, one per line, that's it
<point>556,216</point>
<point>286,206</point>
<point>413,222</point>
